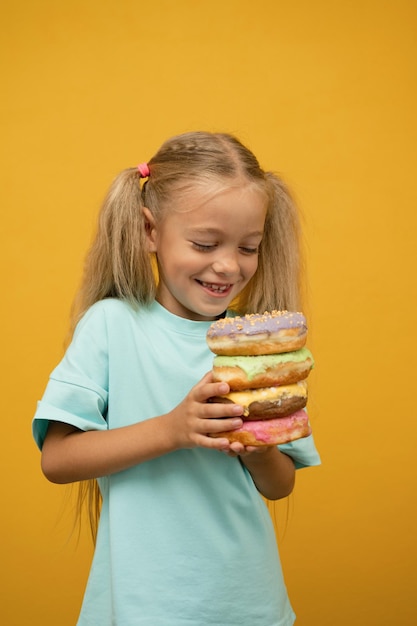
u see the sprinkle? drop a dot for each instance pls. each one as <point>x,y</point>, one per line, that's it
<point>252,323</point>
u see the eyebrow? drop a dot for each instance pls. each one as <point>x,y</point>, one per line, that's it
<point>217,231</point>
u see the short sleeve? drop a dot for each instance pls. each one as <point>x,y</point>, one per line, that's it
<point>302,451</point>
<point>77,391</point>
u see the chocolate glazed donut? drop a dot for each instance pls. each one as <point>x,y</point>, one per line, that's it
<point>268,403</point>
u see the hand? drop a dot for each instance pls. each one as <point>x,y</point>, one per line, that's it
<point>193,421</point>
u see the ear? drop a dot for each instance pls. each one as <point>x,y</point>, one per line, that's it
<point>150,229</point>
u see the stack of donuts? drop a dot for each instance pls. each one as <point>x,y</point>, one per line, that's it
<point>263,359</point>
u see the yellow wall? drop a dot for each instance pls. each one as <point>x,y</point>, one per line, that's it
<point>324,92</point>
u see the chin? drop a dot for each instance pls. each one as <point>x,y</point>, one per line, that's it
<point>206,314</point>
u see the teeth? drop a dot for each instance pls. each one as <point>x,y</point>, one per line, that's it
<point>219,288</point>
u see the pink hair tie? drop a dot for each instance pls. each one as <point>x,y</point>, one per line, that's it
<point>143,170</point>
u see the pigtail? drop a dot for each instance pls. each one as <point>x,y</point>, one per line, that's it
<point>284,246</point>
<point>277,282</point>
<point>118,263</point>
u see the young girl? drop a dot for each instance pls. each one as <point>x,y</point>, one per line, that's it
<point>184,537</point>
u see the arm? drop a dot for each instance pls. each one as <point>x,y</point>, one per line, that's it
<point>70,455</point>
<point>273,472</point>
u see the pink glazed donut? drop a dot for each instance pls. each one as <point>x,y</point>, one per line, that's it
<point>270,432</point>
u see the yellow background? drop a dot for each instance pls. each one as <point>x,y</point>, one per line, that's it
<point>325,93</point>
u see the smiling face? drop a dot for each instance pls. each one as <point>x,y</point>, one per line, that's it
<point>207,249</point>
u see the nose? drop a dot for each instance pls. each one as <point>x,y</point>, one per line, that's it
<point>226,264</point>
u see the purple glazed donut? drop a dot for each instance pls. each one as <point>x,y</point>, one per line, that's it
<point>266,333</point>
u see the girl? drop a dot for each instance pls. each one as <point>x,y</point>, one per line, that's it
<point>184,537</point>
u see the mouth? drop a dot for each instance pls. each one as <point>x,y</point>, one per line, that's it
<point>216,288</point>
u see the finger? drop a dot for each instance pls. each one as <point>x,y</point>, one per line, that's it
<point>216,410</point>
<point>215,443</point>
<point>237,448</point>
<point>207,390</point>
<point>214,426</point>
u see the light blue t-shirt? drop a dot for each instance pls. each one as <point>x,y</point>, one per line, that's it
<point>184,539</point>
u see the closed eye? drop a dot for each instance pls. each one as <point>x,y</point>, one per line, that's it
<point>204,247</point>
<point>249,250</point>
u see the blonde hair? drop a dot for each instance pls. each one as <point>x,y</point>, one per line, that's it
<point>118,263</point>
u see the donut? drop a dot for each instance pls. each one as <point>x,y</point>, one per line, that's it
<point>269,370</point>
<point>269,402</point>
<point>267,333</point>
<point>270,432</point>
